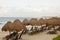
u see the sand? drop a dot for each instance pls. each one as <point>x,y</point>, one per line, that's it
<point>38,36</point>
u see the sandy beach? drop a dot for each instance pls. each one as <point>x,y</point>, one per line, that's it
<point>38,36</point>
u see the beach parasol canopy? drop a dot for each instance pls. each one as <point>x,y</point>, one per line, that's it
<point>18,25</point>
<point>52,21</point>
<point>57,20</point>
<point>25,22</point>
<point>41,21</point>
<point>8,26</point>
<point>33,21</point>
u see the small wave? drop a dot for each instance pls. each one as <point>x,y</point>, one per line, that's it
<point>2,24</point>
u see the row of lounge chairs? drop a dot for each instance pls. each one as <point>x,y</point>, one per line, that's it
<point>37,30</point>
<point>13,36</point>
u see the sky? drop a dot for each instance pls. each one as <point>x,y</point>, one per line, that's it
<point>29,8</point>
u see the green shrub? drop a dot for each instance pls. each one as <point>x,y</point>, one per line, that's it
<point>57,38</point>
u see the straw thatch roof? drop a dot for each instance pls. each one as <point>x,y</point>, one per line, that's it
<point>17,21</point>
<point>33,21</point>
<point>52,21</point>
<point>8,26</point>
<point>57,20</point>
<point>41,21</point>
<point>18,25</point>
<point>25,22</point>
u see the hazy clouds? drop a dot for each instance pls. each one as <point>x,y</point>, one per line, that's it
<point>29,8</point>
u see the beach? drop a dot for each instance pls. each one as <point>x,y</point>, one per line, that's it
<point>38,36</point>
<point>17,25</point>
<point>29,19</point>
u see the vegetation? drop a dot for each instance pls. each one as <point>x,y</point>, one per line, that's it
<point>57,38</point>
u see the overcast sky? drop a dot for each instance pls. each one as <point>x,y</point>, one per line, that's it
<point>29,8</point>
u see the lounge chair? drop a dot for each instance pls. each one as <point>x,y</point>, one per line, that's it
<point>52,32</point>
<point>10,36</point>
<point>18,36</point>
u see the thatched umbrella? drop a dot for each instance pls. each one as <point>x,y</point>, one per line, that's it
<point>52,21</point>
<point>33,21</point>
<point>18,25</point>
<point>8,27</point>
<point>25,22</point>
<point>41,21</point>
<point>56,21</point>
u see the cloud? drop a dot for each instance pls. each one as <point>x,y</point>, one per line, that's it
<point>29,8</point>
<point>29,12</point>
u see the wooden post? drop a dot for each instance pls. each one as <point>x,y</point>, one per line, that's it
<point>9,32</point>
<point>54,28</point>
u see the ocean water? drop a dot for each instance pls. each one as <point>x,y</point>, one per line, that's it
<point>3,20</point>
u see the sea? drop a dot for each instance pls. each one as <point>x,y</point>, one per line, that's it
<point>3,20</point>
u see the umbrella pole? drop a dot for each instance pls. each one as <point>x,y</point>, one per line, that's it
<point>21,34</point>
<point>54,28</point>
<point>9,32</point>
<point>41,27</point>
